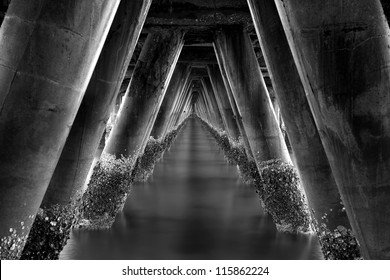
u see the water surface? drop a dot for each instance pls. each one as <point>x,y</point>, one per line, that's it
<point>193,207</point>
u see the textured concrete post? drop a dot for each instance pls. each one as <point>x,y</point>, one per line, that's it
<point>236,55</point>
<point>185,111</point>
<point>145,93</point>
<point>185,104</point>
<point>100,97</point>
<point>206,107</point>
<point>48,51</point>
<point>236,112</point>
<point>177,111</point>
<point>342,53</point>
<point>311,161</point>
<point>226,109</point>
<point>178,82</point>
<point>215,106</point>
<point>209,110</point>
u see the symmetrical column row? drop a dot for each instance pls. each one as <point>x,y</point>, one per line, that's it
<point>329,65</point>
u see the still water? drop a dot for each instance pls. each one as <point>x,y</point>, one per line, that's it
<point>193,207</point>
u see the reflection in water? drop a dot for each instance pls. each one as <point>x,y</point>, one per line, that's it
<point>194,207</point>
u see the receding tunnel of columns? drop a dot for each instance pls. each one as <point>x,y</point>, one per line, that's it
<point>297,104</point>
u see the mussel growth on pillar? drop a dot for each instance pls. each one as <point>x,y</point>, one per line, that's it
<point>279,188</point>
<point>114,173</point>
<point>329,218</point>
<point>48,52</point>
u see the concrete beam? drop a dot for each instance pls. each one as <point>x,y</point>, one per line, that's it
<point>198,13</point>
<point>198,55</point>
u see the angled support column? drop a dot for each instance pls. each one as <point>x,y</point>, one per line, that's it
<point>201,109</point>
<point>185,111</point>
<point>206,107</point>
<point>209,108</point>
<point>221,95</point>
<point>99,100</point>
<point>233,104</point>
<point>343,58</point>
<point>145,93</point>
<point>236,55</point>
<point>177,111</point>
<point>312,163</point>
<point>216,108</point>
<point>178,82</point>
<point>48,51</point>
<point>182,108</point>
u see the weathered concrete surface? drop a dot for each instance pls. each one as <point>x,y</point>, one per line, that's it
<point>236,54</point>
<point>99,99</point>
<point>198,13</point>
<point>48,50</point>
<point>343,58</point>
<point>186,111</point>
<point>221,95</point>
<point>311,161</point>
<point>182,110</point>
<point>175,112</point>
<point>233,104</point>
<point>209,91</point>
<point>145,93</point>
<point>178,82</point>
<point>209,110</point>
<point>198,55</point>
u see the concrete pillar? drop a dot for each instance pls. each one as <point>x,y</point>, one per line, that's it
<point>226,109</point>
<point>206,107</point>
<point>210,111</point>
<point>236,112</point>
<point>48,51</point>
<point>311,161</point>
<point>178,82</point>
<point>184,106</point>
<point>201,110</point>
<point>185,111</point>
<point>145,93</point>
<point>208,91</point>
<point>235,52</point>
<point>342,53</point>
<point>99,100</point>
<point>177,111</point>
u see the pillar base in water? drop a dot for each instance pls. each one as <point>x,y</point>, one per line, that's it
<point>49,233</point>
<point>234,152</point>
<point>111,182</point>
<point>154,150</point>
<point>107,191</point>
<point>280,192</point>
<point>11,246</point>
<point>277,186</point>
